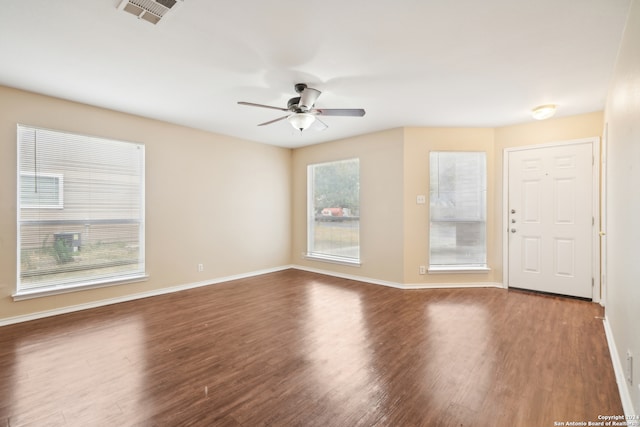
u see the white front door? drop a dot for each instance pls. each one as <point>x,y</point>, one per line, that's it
<point>550,215</point>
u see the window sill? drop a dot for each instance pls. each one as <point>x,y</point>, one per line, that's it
<point>58,289</point>
<point>449,269</point>
<point>332,259</point>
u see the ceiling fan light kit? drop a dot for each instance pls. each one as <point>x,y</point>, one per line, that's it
<point>542,112</point>
<point>301,121</point>
<point>303,114</point>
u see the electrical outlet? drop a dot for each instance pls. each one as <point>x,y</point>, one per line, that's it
<point>200,268</point>
<point>423,269</point>
<point>421,199</point>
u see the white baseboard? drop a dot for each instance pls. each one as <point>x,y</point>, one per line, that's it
<point>623,388</point>
<point>453,285</point>
<point>171,289</point>
<point>155,292</point>
<point>400,285</point>
<point>349,276</point>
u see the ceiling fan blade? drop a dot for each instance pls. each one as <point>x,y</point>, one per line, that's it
<point>319,125</point>
<point>351,112</point>
<point>252,104</point>
<point>273,121</point>
<point>308,97</point>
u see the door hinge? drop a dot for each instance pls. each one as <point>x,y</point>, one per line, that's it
<point>593,220</point>
<point>593,282</point>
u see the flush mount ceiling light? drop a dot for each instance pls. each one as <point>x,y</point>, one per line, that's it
<point>542,112</point>
<point>301,121</point>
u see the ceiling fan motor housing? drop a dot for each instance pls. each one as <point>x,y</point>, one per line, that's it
<point>300,87</point>
<point>292,104</point>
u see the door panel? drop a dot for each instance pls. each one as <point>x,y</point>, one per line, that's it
<point>531,201</point>
<point>531,254</point>
<point>565,201</point>
<point>550,219</point>
<point>565,263</point>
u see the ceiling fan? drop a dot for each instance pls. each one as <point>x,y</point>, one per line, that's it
<point>303,114</point>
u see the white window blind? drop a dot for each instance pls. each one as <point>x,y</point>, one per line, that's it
<point>89,231</point>
<point>49,192</point>
<point>457,205</point>
<point>333,226</point>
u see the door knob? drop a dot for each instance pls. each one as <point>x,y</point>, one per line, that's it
<point>513,230</point>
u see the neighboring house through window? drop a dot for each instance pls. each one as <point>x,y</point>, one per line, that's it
<point>41,191</point>
<point>88,232</point>
<point>333,226</point>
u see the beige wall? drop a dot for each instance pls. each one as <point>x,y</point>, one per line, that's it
<point>381,203</point>
<point>418,143</point>
<point>210,199</point>
<point>533,133</point>
<point>622,116</point>
<point>394,170</point>
<point>240,207</point>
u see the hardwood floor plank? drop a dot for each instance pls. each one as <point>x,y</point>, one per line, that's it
<point>298,348</point>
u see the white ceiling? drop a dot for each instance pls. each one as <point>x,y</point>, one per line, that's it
<point>461,63</point>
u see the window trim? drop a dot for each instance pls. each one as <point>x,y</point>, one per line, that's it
<point>319,256</point>
<point>333,259</point>
<point>460,268</point>
<point>91,284</point>
<point>83,283</point>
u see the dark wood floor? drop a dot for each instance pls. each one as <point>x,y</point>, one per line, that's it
<point>300,349</point>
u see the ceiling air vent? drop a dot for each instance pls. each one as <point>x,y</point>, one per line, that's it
<point>149,10</point>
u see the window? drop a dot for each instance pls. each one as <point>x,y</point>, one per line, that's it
<point>457,204</point>
<point>334,211</point>
<point>41,191</point>
<point>90,231</point>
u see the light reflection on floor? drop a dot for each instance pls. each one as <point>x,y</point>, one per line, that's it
<point>459,337</point>
<point>40,396</point>
<point>337,344</point>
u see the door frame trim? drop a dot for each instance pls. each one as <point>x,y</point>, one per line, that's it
<point>595,209</point>
<point>603,214</point>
